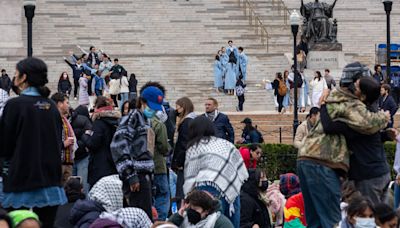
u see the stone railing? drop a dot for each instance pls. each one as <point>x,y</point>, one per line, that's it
<point>255,20</point>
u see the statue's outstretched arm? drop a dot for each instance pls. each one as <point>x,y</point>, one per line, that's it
<point>333,5</point>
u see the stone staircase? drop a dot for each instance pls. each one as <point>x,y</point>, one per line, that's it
<point>167,41</point>
<point>361,25</point>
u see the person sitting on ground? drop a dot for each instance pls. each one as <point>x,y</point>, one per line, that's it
<point>251,155</point>
<point>349,192</point>
<point>200,210</point>
<point>253,212</point>
<point>385,216</point>
<point>306,126</point>
<point>360,213</point>
<point>105,223</point>
<point>25,219</point>
<point>250,133</point>
<point>294,215</point>
<point>74,191</point>
<point>289,184</point>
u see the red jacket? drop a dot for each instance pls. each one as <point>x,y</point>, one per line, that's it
<point>245,152</point>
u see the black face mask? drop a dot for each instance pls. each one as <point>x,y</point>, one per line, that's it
<point>194,217</point>
<point>264,186</point>
<point>176,113</point>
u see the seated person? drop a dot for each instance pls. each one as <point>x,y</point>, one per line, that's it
<point>24,219</point>
<point>360,213</point>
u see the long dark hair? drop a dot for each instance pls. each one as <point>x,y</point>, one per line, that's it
<point>200,128</point>
<point>370,89</point>
<point>36,74</point>
<point>358,205</point>
<point>202,199</point>
<point>61,76</point>
<point>319,75</point>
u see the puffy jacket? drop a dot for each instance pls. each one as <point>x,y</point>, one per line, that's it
<point>100,160</point>
<point>64,86</point>
<point>80,122</point>
<point>84,213</point>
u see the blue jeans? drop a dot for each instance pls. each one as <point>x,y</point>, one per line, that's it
<point>320,186</point>
<point>98,92</point>
<point>235,217</point>
<point>80,168</point>
<point>124,97</point>
<point>396,196</point>
<point>161,199</point>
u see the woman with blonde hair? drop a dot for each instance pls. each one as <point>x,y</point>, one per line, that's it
<point>185,112</point>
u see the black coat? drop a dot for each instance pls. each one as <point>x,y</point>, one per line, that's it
<point>85,212</point>
<point>252,210</point>
<point>178,160</point>
<point>101,163</point>
<point>64,86</point>
<point>63,215</point>
<point>390,105</point>
<point>80,123</point>
<point>223,128</point>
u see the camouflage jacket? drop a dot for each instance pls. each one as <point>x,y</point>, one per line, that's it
<point>331,150</point>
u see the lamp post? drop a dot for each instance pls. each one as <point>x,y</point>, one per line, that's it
<point>295,22</point>
<point>29,6</point>
<point>388,8</point>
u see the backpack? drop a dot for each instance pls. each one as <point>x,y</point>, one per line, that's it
<point>261,137</point>
<point>239,90</point>
<point>299,80</point>
<point>282,89</point>
<point>134,139</point>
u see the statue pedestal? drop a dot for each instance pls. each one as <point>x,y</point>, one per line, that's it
<point>320,60</point>
<point>325,47</point>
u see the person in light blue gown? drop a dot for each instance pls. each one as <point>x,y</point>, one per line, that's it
<point>243,61</point>
<point>230,76</point>
<point>218,71</point>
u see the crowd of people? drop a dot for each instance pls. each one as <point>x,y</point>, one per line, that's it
<point>138,162</point>
<point>230,72</point>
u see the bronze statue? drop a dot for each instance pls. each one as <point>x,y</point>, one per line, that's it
<point>318,27</point>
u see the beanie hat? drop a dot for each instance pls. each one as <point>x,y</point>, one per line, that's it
<point>352,72</point>
<point>20,216</point>
<point>289,184</point>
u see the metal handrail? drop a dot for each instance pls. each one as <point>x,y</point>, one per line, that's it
<point>282,7</point>
<point>251,13</point>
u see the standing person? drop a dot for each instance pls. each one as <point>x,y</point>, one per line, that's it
<point>395,87</point>
<point>303,94</point>
<point>214,165</point>
<point>330,82</point>
<point>105,66</point>
<point>105,122</point>
<point>64,85</point>
<point>124,88</point>
<point>5,81</point>
<point>253,212</point>
<point>115,87</point>
<point>150,104</point>
<point>378,75</point>
<point>232,49</point>
<point>68,137</point>
<point>250,134</point>
<point>287,99</point>
<point>77,70</point>
<point>93,57</point>
<point>37,155</point>
<point>117,68</point>
<point>223,127</point>
<point>185,110</point>
<point>306,126</point>
<point>240,90</point>
<point>218,72</point>
<point>83,89</point>
<point>230,76</point>
<point>318,85</point>
<point>318,165</point>
<point>280,90</point>
<point>98,84</point>
<point>132,86</point>
<point>80,122</point>
<point>387,103</point>
<point>243,61</point>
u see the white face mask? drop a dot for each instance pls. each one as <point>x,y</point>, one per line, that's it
<point>365,222</point>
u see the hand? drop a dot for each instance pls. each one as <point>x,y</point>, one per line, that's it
<point>183,208</point>
<point>68,143</point>
<point>78,46</point>
<point>392,133</point>
<point>135,187</point>
<point>398,179</point>
<point>64,58</point>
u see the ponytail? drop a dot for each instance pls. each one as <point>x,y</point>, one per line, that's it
<point>44,91</point>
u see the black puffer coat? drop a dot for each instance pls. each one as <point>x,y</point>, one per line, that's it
<point>80,122</point>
